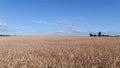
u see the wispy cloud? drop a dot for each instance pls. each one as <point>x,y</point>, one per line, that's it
<point>60,31</point>
<point>63,22</point>
<point>76,31</point>
<point>73,27</point>
<point>3,24</point>
<point>86,22</point>
<point>17,28</point>
<point>37,32</point>
<point>41,22</point>
<point>81,18</point>
<point>5,27</point>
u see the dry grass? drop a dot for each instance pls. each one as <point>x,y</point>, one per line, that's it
<point>59,52</point>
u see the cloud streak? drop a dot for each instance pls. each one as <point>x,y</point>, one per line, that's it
<point>67,27</point>
<point>41,22</point>
<point>3,24</point>
<point>63,22</point>
<point>81,18</point>
<point>4,27</point>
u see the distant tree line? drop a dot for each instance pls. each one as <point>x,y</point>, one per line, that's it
<point>8,35</point>
<point>99,35</point>
<point>5,35</point>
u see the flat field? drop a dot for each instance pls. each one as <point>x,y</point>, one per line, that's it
<point>59,52</point>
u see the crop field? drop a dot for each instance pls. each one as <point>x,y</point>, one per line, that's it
<point>59,52</point>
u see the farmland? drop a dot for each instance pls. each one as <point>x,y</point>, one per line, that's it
<point>59,52</point>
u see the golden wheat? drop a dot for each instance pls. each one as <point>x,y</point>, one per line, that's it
<point>59,52</point>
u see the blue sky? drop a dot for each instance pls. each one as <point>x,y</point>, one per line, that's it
<point>67,17</point>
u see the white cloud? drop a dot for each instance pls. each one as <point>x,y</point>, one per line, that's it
<point>76,31</point>
<point>4,29</point>
<point>62,22</point>
<point>89,22</point>
<point>81,18</point>
<point>41,22</point>
<point>61,31</point>
<point>15,28</point>
<point>3,17</point>
<point>3,24</point>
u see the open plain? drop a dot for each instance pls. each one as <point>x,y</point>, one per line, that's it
<point>59,52</point>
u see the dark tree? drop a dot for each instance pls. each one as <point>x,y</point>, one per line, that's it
<point>99,34</point>
<point>94,35</point>
<point>91,34</point>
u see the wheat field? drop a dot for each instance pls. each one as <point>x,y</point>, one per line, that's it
<point>59,52</point>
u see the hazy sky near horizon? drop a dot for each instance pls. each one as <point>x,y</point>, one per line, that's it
<point>76,17</point>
